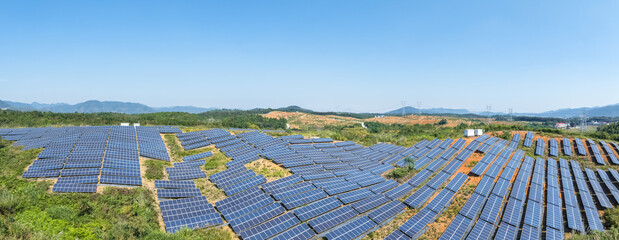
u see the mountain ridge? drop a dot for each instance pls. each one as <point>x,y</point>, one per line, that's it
<point>95,106</point>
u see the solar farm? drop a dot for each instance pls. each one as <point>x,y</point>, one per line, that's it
<point>340,189</point>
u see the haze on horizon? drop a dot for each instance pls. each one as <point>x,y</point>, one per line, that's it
<point>355,56</point>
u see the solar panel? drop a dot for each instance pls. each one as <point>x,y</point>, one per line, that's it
<point>293,190</point>
<point>341,187</point>
<point>574,219</point>
<point>74,187</point>
<point>282,182</point>
<point>178,193</point>
<point>254,218</point>
<point>121,172</point>
<point>303,198</point>
<point>457,228</point>
<point>370,203</point>
<point>473,206</point>
<point>271,227</point>
<point>236,211</point>
<point>41,174</point>
<point>481,230</point>
<point>417,224</point>
<point>231,179</point>
<point>302,231</point>
<point>383,186</point>
<point>332,218</point>
<point>190,164</point>
<point>134,181</point>
<point>492,209</point>
<point>79,172</point>
<point>316,208</point>
<point>567,147</point>
<point>244,185</point>
<point>554,217</point>
<point>187,176</point>
<point>485,186</point>
<point>240,199</point>
<point>387,211</point>
<point>399,191</point>
<point>79,179</point>
<point>174,184</point>
<point>529,232</point>
<point>513,212</point>
<point>533,215</point>
<point>397,235</point>
<point>200,221</point>
<point>552,233</point>
<point>552,196</point>
<point>501,187</point>
<point>536,193</point>
<point>593,219</point>
<point>506,232</point>
<point>354,196</point>
<point>351,230</point>
<point>419,197</point>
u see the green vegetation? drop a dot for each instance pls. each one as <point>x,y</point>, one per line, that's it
<point>219,118</point>
<point>442,122</point>
<point>216,163</point>
<point>610,131</point>
<point>154,169</point>
<point>399,174</point>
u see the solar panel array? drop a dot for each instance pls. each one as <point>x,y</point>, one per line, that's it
<point>593,218</point>
<point>567,147</point>
<point>597,156</point>
<point>106,155</point>
<point>336,189</point>
<point>541,147</point>
<point>487,200</point>
<point>418,223</point>
<point>610,153</point>
<point>580,147</point>
<point>515,141</point>
<point>554,148</point>
<point>528,139</point>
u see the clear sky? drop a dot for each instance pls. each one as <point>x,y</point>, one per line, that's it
<point>359,56</point>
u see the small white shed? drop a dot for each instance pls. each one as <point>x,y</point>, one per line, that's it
<point>479,132</point>
<point>124,124</point>
<point>136,124</point>
<point>469,133</point>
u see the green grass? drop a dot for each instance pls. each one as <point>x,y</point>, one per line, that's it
<point>29,211</point>
<point>154,169</point>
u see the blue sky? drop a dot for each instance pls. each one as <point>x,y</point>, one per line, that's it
<point>359,56</point>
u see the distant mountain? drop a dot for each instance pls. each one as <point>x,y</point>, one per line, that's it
<point>94,106</point>
<point>604,111</point>
<point>4,105</point>
<point>187,109</point>
<point>411,110</point>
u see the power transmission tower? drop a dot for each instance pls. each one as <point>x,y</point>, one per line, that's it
<point>488,108</point>
<point>583,121</point>
<point>403,107</point>
<point>511,117</point>
<point>419,107</point>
